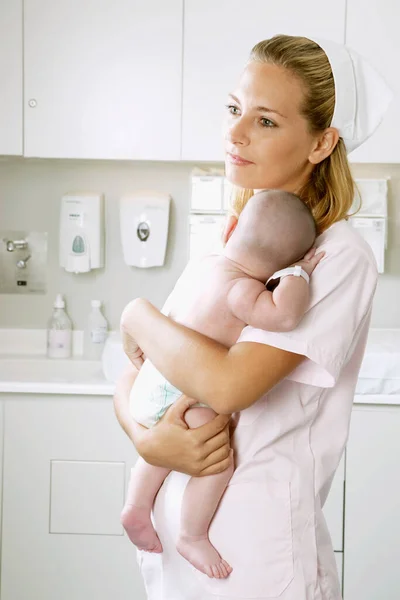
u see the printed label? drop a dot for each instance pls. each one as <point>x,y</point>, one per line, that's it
<point>99,335</point>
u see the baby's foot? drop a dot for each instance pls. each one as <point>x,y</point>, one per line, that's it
<point>137,524</point>
<point>201,554</point>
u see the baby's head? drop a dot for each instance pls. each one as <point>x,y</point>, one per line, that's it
<point>274,230</point>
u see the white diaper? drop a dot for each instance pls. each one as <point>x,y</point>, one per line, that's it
<point>151,395</point>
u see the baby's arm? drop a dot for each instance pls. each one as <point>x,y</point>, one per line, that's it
<point>280,310</point>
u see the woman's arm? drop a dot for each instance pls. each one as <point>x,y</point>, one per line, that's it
<point>228,380</point>
<point>133,430</point>
<point>170,443</point>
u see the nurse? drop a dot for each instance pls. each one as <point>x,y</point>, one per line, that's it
<point>299,107</point>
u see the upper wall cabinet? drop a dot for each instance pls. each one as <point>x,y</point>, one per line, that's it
<point>103,78</point>
<point>373,31</point>
<point>218,37</point>
<point>11,77</point>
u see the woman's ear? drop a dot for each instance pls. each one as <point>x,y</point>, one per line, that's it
<point>229,228</point>
<point>324,146</point>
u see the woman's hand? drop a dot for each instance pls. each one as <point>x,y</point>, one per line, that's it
<point>170,443</point>
<point>132,348</point>
<point>197,452</point>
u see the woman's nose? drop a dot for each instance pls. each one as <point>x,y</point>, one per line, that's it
<point>236,133</point>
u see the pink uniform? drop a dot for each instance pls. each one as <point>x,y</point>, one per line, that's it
<point>269,525</point>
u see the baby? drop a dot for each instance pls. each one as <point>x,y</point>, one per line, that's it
<point>217,296</point>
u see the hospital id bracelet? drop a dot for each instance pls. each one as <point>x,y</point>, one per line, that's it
<point>297,271</point>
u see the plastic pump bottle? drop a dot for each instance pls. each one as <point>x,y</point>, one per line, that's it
<point>59,331</point>
<point>95,333</point>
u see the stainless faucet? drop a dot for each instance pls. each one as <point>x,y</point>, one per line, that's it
<point>21,264</point>
<point>16,245</point>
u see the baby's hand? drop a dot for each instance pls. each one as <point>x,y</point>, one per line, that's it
<point>310,261</point>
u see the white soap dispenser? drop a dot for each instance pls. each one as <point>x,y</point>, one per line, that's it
<point>95,333</point>
<point>59,331</point>
<point>82,232</point>
<point>144,218</point>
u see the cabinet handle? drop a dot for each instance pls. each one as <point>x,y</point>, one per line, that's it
<point>32,103</point>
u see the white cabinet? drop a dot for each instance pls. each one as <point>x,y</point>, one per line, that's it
<point>218,37</point>
<point>373,31</point>
<point>372,500</point>
<point>11,77</point>
<point>103,79</point>
<point>66,467</point>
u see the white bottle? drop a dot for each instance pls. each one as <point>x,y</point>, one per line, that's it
<point>96,332</point>
<point>59,331</point>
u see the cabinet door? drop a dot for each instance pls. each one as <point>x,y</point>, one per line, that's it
<point>11,77</point>
<point>103,79</point>
<point>373,31</point>
<point>218,37</point>
<point>66,465</point>
<point>372,504</point>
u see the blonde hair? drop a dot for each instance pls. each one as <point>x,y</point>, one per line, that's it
<point>329,192</point>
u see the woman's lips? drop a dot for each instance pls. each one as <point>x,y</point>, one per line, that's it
<point>237,160</point>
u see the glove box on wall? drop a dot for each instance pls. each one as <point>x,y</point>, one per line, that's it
<point>205,234</point>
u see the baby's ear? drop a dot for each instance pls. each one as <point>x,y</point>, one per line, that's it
<point>229,228</point>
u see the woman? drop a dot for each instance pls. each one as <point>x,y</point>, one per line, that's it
<point>288,126</point>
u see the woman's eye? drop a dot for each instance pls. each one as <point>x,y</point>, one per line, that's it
<point>267,123</point>
<point>232,109</point>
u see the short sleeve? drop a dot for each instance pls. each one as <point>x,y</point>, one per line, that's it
<point>341,294</point>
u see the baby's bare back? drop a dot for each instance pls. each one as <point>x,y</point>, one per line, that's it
<point>199,299</point>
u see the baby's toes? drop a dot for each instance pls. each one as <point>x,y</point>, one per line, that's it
<point>216,572</point>
<point>227,566</point>
<point>208,571</point>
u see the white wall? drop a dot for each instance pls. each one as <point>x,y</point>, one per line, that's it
<point>30,192</point>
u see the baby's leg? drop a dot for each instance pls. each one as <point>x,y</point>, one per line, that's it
<point>144,484</point>
<point>200,501</point>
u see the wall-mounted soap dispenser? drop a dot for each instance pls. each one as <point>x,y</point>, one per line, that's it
<point>82,232</point>
<point>144,218</point>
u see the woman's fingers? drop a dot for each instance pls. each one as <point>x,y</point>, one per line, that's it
<point>176,412</point>
<point>138,362</point>
<point>216,468</point>
<point>217,456</point>
<point>222,439</point>
<point>210,430</point>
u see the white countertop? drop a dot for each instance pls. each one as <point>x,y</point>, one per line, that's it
<point>37,374</point>
<point>32,372</point>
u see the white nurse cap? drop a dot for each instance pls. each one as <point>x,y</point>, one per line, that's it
<point>362,97</point>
